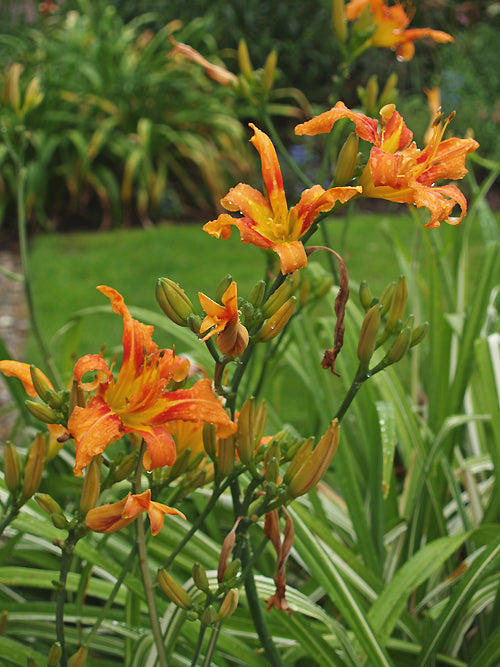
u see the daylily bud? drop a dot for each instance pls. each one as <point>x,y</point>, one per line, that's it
<point>76,397</point>
<point>41,412</point>
<point>80,657</point>
<point>368,335</point>
<point>34,467</point>
<point>272,472</point>
<point>54,656</point>
<point>257,293</point>
<point>173,590</point>
<point>208,616</point>
<point>300,457</point>
<point>12,467</point>
<point>389,91</point>
<point>225,457</point>
<point>371,95</point>
<point>339,20</point>
<point>346,161</point>
<point>126,467</point>
<point>200,577</point>
<point>91,485</point>
<point>315,466</point>
<point>386,298</point>
<point>59,521</point>
<point>398,305</point>
<point>53,399</point>
<point>276,323</point>
<point>10,92</point>
<point>40,382</point>
<point>222,287</point>
<point>244,61</point>
<point>243,87</point>
<point>32,97</point>
<point>194,323</point>
<point>48,504</point>
<point>269,71</point>
<point>400,346</point>
<point>279,296</point>
<point>418,334</point>
<point>231,571</point>
<point>180,465</point>
<point>173,301</point>
<point>210,440</point>
<point>245,438</point>
<point>260,422</point>
<point>365,295</point>
<point>228,606</point>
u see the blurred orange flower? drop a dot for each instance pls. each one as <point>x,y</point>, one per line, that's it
<point>266,221</point>
<point>390,26</point>
<point>114,516</point>
<point>232,336</point>
<point>139,400</point>
<point>399,171</point>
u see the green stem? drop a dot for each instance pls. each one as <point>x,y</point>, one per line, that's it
<point>126,567</point>
<point>26,269</point>
<point>146,576</point>
<point>211,647</point>
<point>67,553</point>
<point>255,608</point>
<point>353,390</point>
<point>199,645</point>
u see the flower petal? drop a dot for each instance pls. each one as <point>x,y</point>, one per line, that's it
<point>93,428</point>
<point>160,448</point>
<point>22,372</point>
<point>366,128</point>
<point>271,173</point>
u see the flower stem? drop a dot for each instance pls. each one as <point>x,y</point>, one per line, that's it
<point>146,576</point>
<point>256,612</point>
<point>67,554</point>
<point>353,390</point>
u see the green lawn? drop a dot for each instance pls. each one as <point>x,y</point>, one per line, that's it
<point>67,268</point>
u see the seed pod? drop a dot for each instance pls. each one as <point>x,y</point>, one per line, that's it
<point>173,590</point>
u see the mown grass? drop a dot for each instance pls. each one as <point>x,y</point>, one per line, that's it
<point>67,269</point>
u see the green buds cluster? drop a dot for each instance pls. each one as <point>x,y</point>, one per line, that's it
<point>11,92</point>
<point>255,83</point>
<point>173,301</point>
<point>373,99</point>
<point>388,310</point>
<point>55,407</point>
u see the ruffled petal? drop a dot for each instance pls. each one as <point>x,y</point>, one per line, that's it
<point>292,256</point>
<point>366,128</point>
<point>93,428</point>
<point>108,518</point>
<point>92,363</point>
<point>160,448</point>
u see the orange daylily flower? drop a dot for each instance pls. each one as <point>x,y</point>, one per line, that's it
<point>266,221</point>
<point>139,400</point>
<point>114,516</point>
<point>399,171</point>
<point>391,25</point>
<point>232,336</point>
